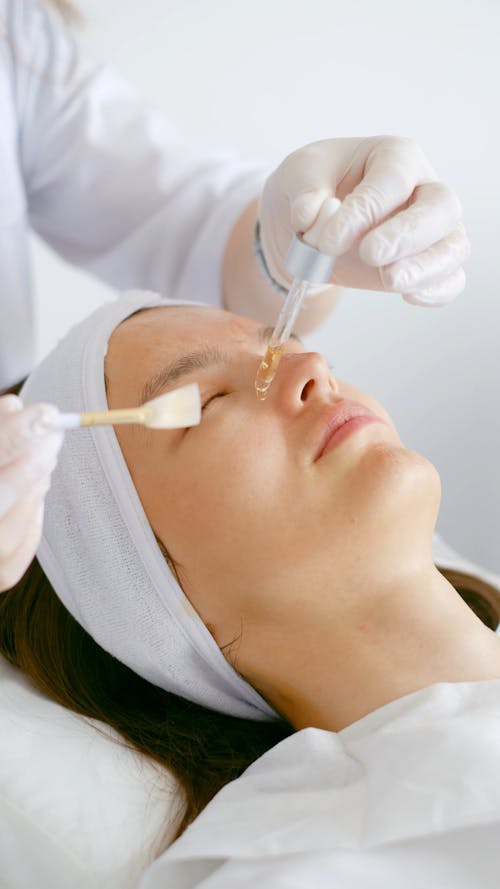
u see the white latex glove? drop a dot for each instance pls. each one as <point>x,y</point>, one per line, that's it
<point>28,454</point>
<point>398,228</point>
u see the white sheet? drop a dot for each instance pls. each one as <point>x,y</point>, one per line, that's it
<point>407,796</point>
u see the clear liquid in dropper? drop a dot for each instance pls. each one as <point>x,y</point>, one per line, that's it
<point>267,370</point>
<point>287,317</point>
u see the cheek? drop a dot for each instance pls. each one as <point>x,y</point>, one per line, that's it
<point>235,484</point>
<point>226,497</point>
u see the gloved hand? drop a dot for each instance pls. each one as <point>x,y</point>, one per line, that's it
<point>28,454</point>
<point>398,228</point>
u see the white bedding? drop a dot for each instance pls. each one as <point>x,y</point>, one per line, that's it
<point>408,796</point>
<point>77,809</point>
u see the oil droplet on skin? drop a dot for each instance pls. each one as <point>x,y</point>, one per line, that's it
<point>267,371</point>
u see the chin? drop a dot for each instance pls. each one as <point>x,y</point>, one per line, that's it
<point>387,484</point>
<point>387,467</point>
<point>396,497</point>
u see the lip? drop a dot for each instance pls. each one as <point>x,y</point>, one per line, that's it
<point>340,415</point>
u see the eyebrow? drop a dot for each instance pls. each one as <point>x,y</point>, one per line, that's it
<point>199,359</point>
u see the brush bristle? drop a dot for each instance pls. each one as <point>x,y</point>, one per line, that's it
<point>175,410</point>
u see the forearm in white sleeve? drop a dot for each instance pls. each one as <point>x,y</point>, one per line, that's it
<point>110,185</point>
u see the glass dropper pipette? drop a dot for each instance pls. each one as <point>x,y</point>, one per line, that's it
<point>308,266</point>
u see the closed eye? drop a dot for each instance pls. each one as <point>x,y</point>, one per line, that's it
<point>212,398</point>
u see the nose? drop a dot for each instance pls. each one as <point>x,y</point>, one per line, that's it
<point>301,378</point>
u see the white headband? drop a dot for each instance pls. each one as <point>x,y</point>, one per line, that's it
<point>98,549</point>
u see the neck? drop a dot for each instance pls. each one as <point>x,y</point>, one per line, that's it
<point>399,636</point>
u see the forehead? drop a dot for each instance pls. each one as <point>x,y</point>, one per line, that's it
<point>174,327</point>
<point>141,344</point>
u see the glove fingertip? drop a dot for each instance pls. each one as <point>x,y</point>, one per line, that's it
<point>10,404</point>
<point>305,209</point>
<point>369,251</point>
<point>341,231</point>
<point>425,302</point>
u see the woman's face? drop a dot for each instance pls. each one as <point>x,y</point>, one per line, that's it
<point>257,521</point>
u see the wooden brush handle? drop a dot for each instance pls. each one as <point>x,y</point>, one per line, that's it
<point>112,418</point>
<point>139,415</point>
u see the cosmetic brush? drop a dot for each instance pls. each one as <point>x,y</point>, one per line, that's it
<point>174,410</point>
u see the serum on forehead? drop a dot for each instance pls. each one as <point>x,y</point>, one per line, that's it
<point>308,266</point>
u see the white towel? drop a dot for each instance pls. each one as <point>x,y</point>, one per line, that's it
<point>98,550</point>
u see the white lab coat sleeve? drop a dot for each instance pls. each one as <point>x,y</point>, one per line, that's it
<point>110,185</point>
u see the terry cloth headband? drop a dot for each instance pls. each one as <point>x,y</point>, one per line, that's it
<point>98,549</point>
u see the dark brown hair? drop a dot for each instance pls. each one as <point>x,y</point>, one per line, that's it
<point>203,749</point>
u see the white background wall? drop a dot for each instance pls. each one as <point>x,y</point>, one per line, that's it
<point>267,76</point>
